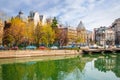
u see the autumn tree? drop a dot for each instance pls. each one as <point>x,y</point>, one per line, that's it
<point>38,33</point>
<point>29,33</point>
<point>17,30</point>
<point>62,38</point>
<point>1,32</point>
<point>48,34</point>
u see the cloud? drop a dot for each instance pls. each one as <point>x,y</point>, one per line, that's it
<point>94,13</point>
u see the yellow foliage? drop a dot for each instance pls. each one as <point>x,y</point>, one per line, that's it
<point>48,34</point>
<point>17,29</point>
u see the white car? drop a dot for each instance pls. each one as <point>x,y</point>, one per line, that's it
<point>54,47</point>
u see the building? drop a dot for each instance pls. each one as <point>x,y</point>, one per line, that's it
<point>81,34</point>
<point>104,36</point>
<point>67,36</point>
<point>116,28</point>
<point>109,36</point>
<point>22,16</point>
<point>1,31</point>
<point>89,37</point>
<point>35,17</point>
<point>71,35</point>
<point>42,19</point>
<point>100,35</point>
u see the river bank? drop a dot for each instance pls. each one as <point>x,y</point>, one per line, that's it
<point>36,53</point>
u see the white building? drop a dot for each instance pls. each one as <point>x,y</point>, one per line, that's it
<point>43,19</point>
<point>35,17</point>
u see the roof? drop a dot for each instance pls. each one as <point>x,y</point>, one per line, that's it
<point>80,26</point>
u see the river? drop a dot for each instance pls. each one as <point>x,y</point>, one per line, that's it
<point>85,67</point>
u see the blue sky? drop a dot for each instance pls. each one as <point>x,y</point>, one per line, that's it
<point>93,13</point>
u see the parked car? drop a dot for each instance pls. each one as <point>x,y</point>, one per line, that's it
<point>117,46</point>
<point>42,47</point>
<point>31,47</point>
<point>2,47</point>
<point>14,48</point>
<point>93,47</point>
<point>54,47</point>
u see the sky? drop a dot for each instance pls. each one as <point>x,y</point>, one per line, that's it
<point>93,13</point>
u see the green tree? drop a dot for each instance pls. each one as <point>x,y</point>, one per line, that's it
<point>54,23</point>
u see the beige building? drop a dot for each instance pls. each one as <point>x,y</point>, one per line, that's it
<point>81,34</point>
<point>71,35</point>
<point>74,36</point>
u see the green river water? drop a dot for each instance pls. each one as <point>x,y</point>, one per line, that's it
<point>85,67</point>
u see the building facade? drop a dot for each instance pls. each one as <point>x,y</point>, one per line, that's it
<point>116,28</point>
<point>89,37</point>
<point>67,36</point>
<point>35,17</point>
<point>104,36</point>
<point>109,36</point>
<point>71,35</point>
<point>81,34</point>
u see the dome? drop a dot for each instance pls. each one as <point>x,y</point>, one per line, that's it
<point>20,12</point>
<point>80,26</point>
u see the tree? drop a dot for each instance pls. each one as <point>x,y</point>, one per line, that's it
<point>29,34</point>
<point>48,34</point>
<point>1,32</point>
<point>38,33</point>
<point>54,23</point>
<point>62,37</point>
<point>16,30</point>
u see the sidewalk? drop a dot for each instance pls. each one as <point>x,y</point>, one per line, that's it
<point>33,53</point>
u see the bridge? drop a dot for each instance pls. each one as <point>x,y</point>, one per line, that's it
<point>108,50</point>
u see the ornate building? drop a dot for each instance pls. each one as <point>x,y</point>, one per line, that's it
<point>81,34</point>
<point>104,36</point>
<point>116,28</point>
<point>109,36</point>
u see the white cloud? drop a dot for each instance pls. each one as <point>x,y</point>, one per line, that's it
<point>94,13</point>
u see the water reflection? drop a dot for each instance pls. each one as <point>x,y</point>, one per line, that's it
<point>109,63</point>
<point>46,70</point>
<point>80,68</point>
